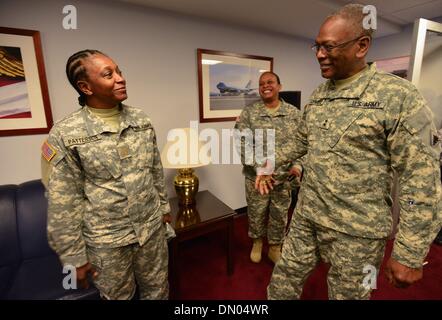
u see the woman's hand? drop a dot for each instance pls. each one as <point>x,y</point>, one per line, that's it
<point>264,183</point>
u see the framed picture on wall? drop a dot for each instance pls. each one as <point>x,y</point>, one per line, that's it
<point>24,99</point>
<point>398,65</point>
<point>228,82</point>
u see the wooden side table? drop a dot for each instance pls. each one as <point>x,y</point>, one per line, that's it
<point>207,215</point>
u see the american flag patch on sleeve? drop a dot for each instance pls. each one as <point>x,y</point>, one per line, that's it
<point>47,151</point>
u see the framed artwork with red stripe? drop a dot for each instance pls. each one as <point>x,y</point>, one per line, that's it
<point>24,99</point>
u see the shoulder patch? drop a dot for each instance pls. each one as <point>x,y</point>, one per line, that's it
<point>48,151</point>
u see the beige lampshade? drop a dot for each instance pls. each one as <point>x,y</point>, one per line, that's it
<point>184,150</point>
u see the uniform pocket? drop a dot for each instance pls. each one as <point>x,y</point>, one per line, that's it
<point>421,126</point>
<point>99,159</point>
<point>343,124</point>
<point>141,142</point>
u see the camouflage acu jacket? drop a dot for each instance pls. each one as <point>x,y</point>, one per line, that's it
<point>255,117</point>
<point>106,189</point>
<point>354,138</point>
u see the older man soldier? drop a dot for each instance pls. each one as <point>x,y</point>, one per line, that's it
<point>359,127</point>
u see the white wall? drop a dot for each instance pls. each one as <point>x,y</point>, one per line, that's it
<point>398,45</point>
<point>430,84</point>
<point>157,53</point>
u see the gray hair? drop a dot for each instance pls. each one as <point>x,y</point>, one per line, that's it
<point>354,15</point>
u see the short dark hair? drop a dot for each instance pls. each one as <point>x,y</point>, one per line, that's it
<point>76,71</point>
<point>271,72</point>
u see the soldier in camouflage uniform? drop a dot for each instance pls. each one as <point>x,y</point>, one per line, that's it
<point>270,114</point>
<point>358,127</point>
<point>107,199</point>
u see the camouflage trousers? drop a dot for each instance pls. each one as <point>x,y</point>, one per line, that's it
<point>121,269</point>
<point>276,203</point>
<point>354,262</point>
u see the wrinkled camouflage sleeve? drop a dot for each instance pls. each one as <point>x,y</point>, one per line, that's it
<point>416,162</point>
<point>65,205</point>
<point>298,164</point>
<point>158,178</point>
<point>292,153</point>
<point>283,172</point>
<point>244,140</point>
<point>286,163</point>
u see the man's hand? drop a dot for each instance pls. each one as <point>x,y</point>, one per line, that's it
<point>400,275</point>
<point>82,273</point>
<point>167,218</point>
<point>264,183</point>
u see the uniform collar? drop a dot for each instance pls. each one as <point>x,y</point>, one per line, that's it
<point>282,111</point>
<point>95,125</point>
<point>353,91</point>
<point>131,119</point>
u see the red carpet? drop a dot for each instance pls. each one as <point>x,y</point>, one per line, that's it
<point>203,273</point>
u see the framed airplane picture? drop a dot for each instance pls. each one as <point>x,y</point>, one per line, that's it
<point>24,98</point>
<point>228,82</point>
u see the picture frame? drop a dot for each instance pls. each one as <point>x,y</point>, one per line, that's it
<point>397,65</point>
<point>24,99</point>
<point>227,82</point>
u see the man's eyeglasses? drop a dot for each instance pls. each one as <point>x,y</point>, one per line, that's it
<point>328,48</point>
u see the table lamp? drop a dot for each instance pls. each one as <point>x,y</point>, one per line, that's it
<point>182,152</point>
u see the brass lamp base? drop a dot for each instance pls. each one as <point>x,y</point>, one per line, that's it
<point>187,216</point>
<point>186,186</point>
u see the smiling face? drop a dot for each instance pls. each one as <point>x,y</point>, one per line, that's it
<point>269,87</point>
<point>104,86</point>
<point>344,61</point>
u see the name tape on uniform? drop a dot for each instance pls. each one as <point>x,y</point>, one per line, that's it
<point>70,141</point>
<point>367,104</point>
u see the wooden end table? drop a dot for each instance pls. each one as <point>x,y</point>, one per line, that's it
<point>208,214</point>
